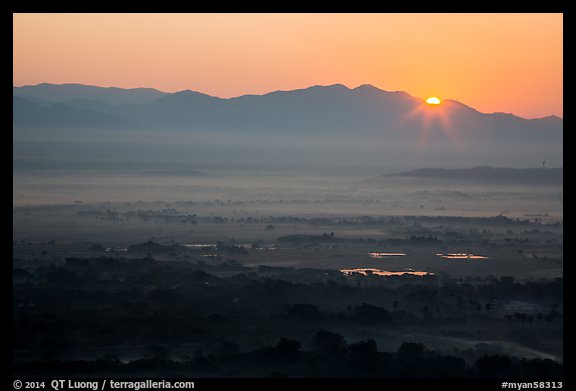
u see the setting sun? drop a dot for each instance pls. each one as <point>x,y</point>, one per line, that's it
<point>433,101</point>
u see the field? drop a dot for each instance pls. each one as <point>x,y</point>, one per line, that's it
<point>461,270</point>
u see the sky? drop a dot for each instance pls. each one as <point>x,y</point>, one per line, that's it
<point>508,63</point>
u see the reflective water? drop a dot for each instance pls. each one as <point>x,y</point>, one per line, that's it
<point>461,256</point>
<point>384,255</point>
<point>379,272</point>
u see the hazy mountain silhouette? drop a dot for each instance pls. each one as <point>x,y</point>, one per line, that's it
<point>489,174</point>
<point>320,109</point>
<point>27,114</point>
<point>64,93</point>
<point>317,119</point>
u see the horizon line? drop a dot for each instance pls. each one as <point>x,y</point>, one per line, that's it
<point>281,90</point>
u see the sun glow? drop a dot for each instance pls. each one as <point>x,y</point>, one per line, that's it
<point>433,118</point>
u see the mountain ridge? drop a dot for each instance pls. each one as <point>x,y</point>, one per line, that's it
<point>23,91</point>
<point>324,123</point>
<point>488,174</point>
<point>62,93</point>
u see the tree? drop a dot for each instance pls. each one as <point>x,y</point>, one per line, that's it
<point>229,349</point>
<point>362,348</point>
<point>497,366</point>
<point>538,368</point>
<point>371,313</point>
<point>329,343</point>
<point>288,347</point>
<point>304,311</point>
<point>411,350</point>
<point>158,352</point>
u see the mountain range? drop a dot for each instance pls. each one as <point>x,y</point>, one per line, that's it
<point>363,118</point>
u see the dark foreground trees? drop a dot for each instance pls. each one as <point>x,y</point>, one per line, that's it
<point>333,358</point>
<point>140,316</point>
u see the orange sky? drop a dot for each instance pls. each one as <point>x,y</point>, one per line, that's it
<point>492,62</point>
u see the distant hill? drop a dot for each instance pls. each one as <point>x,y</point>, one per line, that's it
<point>320,124</point>
<point>334,109</point>
<point>65,93</point>
<point>27,114</point>
<point>490,174</point>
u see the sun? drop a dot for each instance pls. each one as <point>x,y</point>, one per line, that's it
<point>433,101</point>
